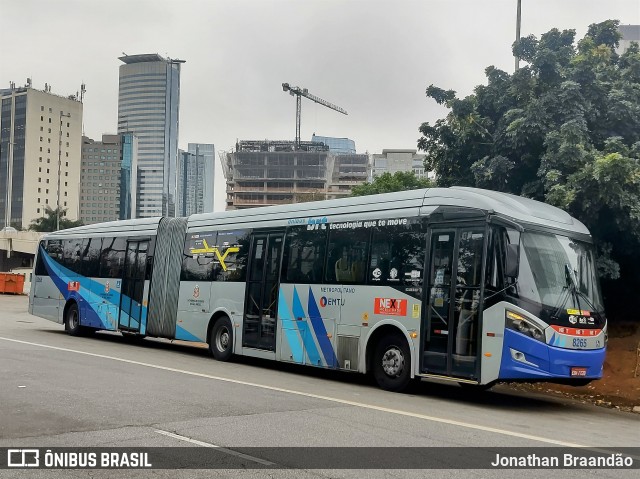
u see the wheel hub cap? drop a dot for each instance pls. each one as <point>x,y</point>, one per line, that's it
<point>393,362</point>
<point>223,339</point>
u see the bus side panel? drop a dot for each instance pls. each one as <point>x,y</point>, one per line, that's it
<point>101,302</point>
<point>369,307</point>
<point>226,296</point>
<point>306,325</point>
<point>326,325</point>
<point>193,310</point>
<point>491,342</point>
<point>45,298</point>
<point>100,296</point>
<point>145,307</point>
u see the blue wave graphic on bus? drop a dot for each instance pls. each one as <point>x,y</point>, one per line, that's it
<point>557,340</point>
<point>321,332</point>
<point>289,327</point>
<point>302,335</point>
<point>93,295</point>
<point>307,335</point>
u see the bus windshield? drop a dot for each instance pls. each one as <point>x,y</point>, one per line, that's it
<point>544,259</point>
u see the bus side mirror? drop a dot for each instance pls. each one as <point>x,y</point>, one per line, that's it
<point>511,263</point>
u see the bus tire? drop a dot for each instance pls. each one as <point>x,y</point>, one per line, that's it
<point>72,320</point>
<point>392,363</point>
<point>221,340</point>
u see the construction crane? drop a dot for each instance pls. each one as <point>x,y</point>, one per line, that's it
<point>303,92</point>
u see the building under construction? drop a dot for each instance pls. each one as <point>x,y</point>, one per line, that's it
<point>261,173</point>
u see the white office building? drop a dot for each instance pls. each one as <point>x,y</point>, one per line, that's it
<point>40,151</point>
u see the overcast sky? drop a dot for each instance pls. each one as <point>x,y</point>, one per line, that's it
<point>372,58</point>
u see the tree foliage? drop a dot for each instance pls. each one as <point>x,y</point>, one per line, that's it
<point>386,183</point>
<point>564,129</point>
<point>308,197</point>
<point>48,222</point>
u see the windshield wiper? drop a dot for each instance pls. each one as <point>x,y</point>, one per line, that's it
<point>570,289</point>
<point>571,278</point>
<point>589,303</point>
<point>572,283</point>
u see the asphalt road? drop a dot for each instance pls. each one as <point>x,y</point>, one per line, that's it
<point>62,391</point>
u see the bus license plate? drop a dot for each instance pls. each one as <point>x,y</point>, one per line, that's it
<point>578,372</point>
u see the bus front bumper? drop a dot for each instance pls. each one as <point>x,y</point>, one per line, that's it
<point>524,358</point>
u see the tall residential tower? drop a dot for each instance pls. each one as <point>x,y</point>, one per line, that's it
<point>148,106</point>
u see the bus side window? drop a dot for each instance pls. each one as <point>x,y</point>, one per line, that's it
<point>72,254</point>
<point>303,255</point>
<point>346,258</point>
<point>235,263</point>
<point>112,257</point>
<point>199,266</point>
<point>91,258</point>
<point>41,270</point>
<point>54,250</point>
<point>397,257</point>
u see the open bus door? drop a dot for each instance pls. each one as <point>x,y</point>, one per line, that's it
<point>263,283</point>
<point>451,332</point>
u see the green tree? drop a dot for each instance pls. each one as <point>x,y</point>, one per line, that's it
<point>386,183</point>
<point>564,129</point>
<point>48,222</point>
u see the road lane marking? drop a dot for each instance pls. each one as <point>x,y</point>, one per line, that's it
<point>347,402</point>
<point>219,448</point>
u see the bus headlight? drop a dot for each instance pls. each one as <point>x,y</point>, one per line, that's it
<point>519,323</point>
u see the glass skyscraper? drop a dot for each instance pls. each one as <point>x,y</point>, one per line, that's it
<point>128,176</point>
<point>148,106</point>
<point>195,179</point>
<point>207,150</point>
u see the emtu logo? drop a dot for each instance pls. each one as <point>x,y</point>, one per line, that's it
<point>324,301</point>
<point>23,458</point>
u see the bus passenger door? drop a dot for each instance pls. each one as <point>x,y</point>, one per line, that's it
<point>45,296</point>
<point>451,332</point>
<point>261,300</point>
<point>132,298</point>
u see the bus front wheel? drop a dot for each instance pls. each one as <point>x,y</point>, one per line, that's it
<point>221,339</point>
<point>392,363</point>
<point>72,320</point>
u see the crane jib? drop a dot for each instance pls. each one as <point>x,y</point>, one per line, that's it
<point>303,92</point>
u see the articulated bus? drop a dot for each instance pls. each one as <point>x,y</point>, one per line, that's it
<point>457,284</point>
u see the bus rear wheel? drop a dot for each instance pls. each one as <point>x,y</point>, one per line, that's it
<point>392,363</point>
<point>221,339</point>
<point>72,320</point>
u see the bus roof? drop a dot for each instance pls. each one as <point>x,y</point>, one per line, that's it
<point>517,208</point>
<point>141,226</point>
<point>412,202</point>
